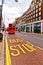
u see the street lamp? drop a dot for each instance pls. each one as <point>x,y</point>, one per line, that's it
<point>1,25</point>
<point>1,6</point>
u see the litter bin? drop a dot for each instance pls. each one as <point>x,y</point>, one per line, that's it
<point>1,37</point>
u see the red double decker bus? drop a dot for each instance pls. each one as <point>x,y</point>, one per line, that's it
<point>12,28</point>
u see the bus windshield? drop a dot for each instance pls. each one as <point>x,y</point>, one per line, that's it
<point>11,28</point>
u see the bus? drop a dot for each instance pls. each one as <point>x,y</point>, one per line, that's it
<point>11,28</point>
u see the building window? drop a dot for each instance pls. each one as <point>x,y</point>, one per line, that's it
<point>36,19</point>
<point>39,4</point>
<point>40,0</point>
<point>39,18</point>
<point>36,6</point>
<point>40,9</point>
<point>36,10</point>
<point>28,11</point>
<point>39,13</point>
<point>33,19</point>
<point>31,13</point>
<point>35,1</point>
<point>36,15</point>
<point>28,14</point>
<point>31,16</point>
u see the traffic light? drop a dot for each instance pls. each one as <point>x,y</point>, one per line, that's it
<point>16,0</point>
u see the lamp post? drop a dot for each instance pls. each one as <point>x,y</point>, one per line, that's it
<point>16,0</point>
<point>1,6</point>
<point>2,24</point>
<point>2,3</point>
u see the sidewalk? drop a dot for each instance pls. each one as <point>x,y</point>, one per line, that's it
<point>39,34</point>
<point>2,52</point>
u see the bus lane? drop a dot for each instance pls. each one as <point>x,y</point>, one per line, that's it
<point>21,52</point>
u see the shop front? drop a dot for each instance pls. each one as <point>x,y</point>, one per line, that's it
<point>27,29</point>
<point>23,28</point>
<point>37,27</point>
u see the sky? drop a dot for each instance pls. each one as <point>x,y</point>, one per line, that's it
<point>12,9</point>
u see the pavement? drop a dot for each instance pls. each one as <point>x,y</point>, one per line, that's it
<point>2,52</point>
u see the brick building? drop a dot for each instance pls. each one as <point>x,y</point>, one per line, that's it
<point>33,17</point>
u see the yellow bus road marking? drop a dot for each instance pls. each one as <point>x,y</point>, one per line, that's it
<point>22,47</point>
<point>30,43</point>
<point>39,48</point>
<point>17,49</point>
<point>8,60</point>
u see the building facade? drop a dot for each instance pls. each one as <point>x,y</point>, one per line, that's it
<point>33,17</point>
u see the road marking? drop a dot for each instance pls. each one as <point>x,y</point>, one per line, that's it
<point>39,48</point>
<point>17,51</point>
<point>30,43</point>
<point>8,60</point>
<point>30,48</point>
<point>15,40</point>
<point>22,47</point>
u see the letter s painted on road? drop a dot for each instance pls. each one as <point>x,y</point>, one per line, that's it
<point>17,51</point>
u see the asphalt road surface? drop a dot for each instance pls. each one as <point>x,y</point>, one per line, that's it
<point>24,49</point>
<point>35,39</point>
